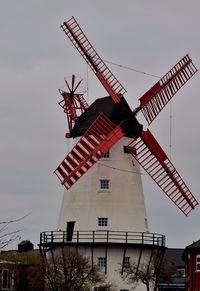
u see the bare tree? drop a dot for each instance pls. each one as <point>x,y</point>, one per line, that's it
<point>145,274</point>
<point>149,273</point>
<point>168,269</point>
<point>8,236</point>
<point>69,270</point>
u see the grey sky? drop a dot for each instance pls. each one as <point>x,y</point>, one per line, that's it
<point>150,36</point>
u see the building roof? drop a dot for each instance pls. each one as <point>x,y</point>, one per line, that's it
<point>25,242</point>
<point>116,112</point>
<point>105,105</point>
<point>191,248</point>
<point>194,245</point>
<point>25,246</point>
<point>175,255</point>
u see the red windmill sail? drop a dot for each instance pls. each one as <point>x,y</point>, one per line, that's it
<point>155,162</point>
<point>154,100</point>
<point>97,140</point>
<point>103,73</point>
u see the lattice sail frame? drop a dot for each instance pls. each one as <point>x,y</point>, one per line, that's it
<point>97,140</point>
<point>103,73</point>
<point>155,162</point>
<point>155,99</point>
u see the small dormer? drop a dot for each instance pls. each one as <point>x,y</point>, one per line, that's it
<point>25,246</point>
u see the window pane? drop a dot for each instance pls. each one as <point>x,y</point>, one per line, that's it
<point>102,221</point>
<point>198,263</point>
<point>126,261</point>
<point>5,278</point>
<point>102,262</point>
<point>198,267</point>
<point>104,184</point>
<point>106,155</point>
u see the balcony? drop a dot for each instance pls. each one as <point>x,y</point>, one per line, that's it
<point>96,237</point>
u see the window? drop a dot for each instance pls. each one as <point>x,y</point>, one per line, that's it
<point>106,155</point>
<point>102,221</point>
<point>180,272</point>
<point>198,263</point>
<point>104,184</point>
<point>126,261</point>
<point>128,150</point>
<point>102,262</point>
<point>7,279</point>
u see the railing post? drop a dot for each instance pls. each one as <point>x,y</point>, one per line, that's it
<point>163,240</point>
<point>107,236</point>
<point>63,237</point>
<point>77,236</point>
<point>93,236</point>
<point>51,236</point>
<point>142,238</point>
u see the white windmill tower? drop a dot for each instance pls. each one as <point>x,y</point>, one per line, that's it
<point>103,213</point>
<point>113,187</point>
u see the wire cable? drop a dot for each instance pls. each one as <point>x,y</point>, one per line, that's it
<point>132,69</point>
<point>122,170</point>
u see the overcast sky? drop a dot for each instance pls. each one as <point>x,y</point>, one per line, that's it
<point>36,56</point>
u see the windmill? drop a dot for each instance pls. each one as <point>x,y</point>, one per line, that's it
<point>103,133</point>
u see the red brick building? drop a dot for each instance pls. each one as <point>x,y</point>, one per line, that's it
<point>192,261</point>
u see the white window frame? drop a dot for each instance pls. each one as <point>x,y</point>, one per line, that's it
<point>198,263</point>
<point>9,279</point>
<point>102,221</point>
<point>181,272</point>
<point>104,184</point>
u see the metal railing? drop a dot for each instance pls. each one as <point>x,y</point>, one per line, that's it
<point>101,236</point>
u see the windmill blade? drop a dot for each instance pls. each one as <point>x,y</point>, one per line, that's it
<point>87,51</point>
<point>97,140</point>
<point>155,162</point>
<point>154,100</point>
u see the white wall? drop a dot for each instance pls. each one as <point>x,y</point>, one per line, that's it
<point>114,262</point>
<point>123,203</point>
